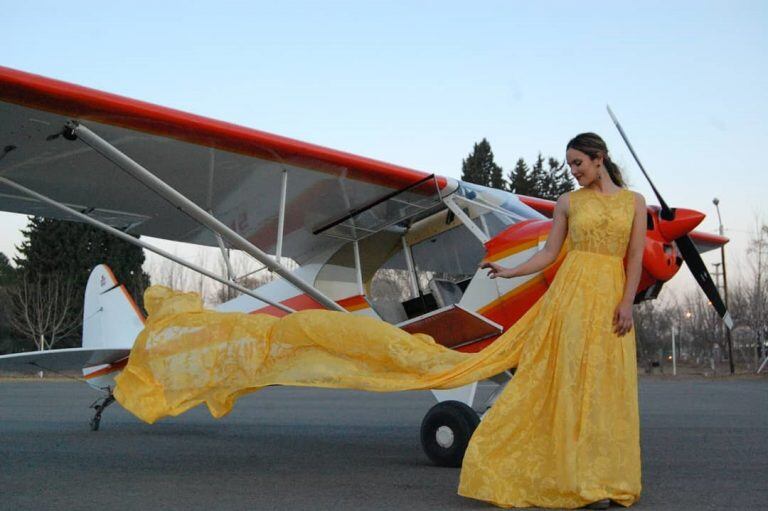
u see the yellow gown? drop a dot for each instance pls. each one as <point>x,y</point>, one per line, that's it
<point>564,433</point>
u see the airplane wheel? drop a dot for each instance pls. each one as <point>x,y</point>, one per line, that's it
<point>445,432</point>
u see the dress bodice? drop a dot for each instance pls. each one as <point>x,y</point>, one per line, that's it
<point>600,223</point>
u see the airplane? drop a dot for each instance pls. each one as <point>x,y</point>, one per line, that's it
<point>369,237</point>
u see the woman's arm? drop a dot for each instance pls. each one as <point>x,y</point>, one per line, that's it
<point>545,256</point>
<point>622,317</point>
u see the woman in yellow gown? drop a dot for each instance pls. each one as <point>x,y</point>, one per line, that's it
<point>565,431</point>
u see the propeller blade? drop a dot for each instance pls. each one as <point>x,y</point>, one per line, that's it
<point>692,258</point>
<point>666,211</point>
<point>684,244</point>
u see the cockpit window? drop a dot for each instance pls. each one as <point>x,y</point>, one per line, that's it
<point>493,210</point>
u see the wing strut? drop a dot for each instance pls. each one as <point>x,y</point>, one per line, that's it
<point>281,216</point>
<point>135,241</point>
<point>76,130</point>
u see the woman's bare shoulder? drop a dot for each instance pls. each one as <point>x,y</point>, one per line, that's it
<point>563,202</point>
<point>639,199</point>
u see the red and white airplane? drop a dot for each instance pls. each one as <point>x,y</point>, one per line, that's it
<point>369,237</point>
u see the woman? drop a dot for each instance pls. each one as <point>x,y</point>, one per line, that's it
<point>565,431</point>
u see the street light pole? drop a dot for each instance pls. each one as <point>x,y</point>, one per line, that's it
<point>716,202</point>
<point>674,354</point>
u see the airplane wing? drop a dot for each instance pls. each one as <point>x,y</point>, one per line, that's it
<point>544,206</point>
<point>234,172</point>
<point>60,360</point>
<point>704,241</point>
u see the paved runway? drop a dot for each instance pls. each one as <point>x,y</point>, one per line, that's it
<point>705,446</point>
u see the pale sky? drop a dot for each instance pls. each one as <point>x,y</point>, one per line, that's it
<point>417,83</point>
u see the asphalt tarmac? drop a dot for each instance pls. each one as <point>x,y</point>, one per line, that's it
<point>705,446</point>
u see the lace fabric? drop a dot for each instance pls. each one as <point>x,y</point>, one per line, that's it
<point>597,222</point>
<point>565,432</point>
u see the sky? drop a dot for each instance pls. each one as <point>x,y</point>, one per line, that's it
<point>417,83</point>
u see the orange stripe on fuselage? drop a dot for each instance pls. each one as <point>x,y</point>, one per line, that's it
<point>304,302</point>
<point>354,303</point>
<point>523,290</point>
<point>115,366</point>
<point>508,249</point>
<point>133,303</point>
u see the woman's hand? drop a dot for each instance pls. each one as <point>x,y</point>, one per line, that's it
<point>497,270</point>
<point>622,318</point>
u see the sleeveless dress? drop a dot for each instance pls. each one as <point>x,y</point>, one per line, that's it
<point>564,433</point>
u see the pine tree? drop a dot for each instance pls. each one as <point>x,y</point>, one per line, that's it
<point>7,277</point>
<point>561,178</point>
<point>520,179</point>
<point>539,178</point>
<point>497,177</point>
<point>537,181</point>
<point>55,246</point>
<point>7,272</point>
<point>556,181</point>
<point>479,168</point>
<point>71,250</point>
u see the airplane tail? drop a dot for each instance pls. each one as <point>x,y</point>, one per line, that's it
<point>111,319</point>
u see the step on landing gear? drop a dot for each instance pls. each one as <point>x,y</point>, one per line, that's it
<point>100,405</point>
<point>446,430</point>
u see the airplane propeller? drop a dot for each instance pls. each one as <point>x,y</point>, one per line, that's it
<point>684,244</point>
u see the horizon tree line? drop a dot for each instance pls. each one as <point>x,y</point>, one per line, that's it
<point>536,180</point>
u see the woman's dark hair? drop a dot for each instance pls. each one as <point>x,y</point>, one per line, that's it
<point>593,146</point>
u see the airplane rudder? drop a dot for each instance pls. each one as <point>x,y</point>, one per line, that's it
<point>111,318</point>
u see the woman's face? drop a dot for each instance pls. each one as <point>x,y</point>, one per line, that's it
<point>583,168</point>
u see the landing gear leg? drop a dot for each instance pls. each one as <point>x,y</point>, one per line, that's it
<point>100,405</point>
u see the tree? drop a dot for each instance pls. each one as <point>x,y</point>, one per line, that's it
<point>247,272</point>
<point>538,181</point>
<point>7,278</point>
<point>55,246</point>
<point>45,309</point>
<point>479,168</point>
<point>520,179</point>
<point>7,272</point>
<point>561,176</point>
<point>539,178</point>
<point>53,250</point>
<point>497,176</point>
<point>557,180</point>
<point>652,323</point>
<point>758,249</point>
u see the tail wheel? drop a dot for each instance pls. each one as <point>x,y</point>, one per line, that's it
<point>445,432</point>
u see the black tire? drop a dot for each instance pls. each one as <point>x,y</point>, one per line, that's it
<point>445,447</point>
